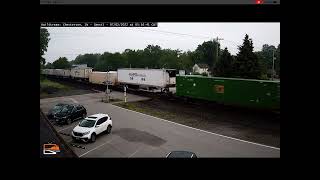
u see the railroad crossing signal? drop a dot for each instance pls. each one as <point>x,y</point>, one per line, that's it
<point>125,92</point>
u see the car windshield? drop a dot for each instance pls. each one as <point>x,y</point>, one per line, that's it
<point>57,108</point>
<point>66,109</point>
<point>87,123</point>
<point>180,154</point>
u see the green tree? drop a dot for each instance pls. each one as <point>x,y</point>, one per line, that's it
<point>277,60</point>
<point>224,66</point>
<point>246,64</point>
<point>185,61</point>
<point>265,59</point>
<point>263,64</point>
<point>49,66</point>
<point>89,59</point>
<point>111,61</point>
<point>267,53</point>
<point>207,53</point>
<point>132,57</point>
<point>117,61</point>
<point>61,63</point>
<point>44,40</point>
<point>169,59</point>
<point>151,56</point>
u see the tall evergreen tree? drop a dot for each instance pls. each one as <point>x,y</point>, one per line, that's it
<point>224,65</point>
<point>247,64</point>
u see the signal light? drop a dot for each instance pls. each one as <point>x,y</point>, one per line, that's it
<point>259,1</point>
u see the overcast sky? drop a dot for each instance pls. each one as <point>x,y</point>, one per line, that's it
<point>70,42</point>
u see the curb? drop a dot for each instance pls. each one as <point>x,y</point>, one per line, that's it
<point>68,148</point>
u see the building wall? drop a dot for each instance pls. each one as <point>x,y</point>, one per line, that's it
<point>199,70</point>
<point>205,70</point>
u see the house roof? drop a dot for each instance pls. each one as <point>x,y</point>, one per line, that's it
<point>203,65</point>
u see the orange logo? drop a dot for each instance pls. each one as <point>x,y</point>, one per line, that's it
<point>51,149</point>
<point>219,88</point>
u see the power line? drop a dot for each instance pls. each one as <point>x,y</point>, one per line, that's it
<point>196,36</point>
<point>160,31</point>
<point>175,33</point>
<point>233,43</point>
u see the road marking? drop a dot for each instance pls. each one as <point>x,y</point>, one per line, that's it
<point>77,146</point>
<point>139,148</point>
<point>97,91</point>
<point>74,101</point>
<point>96,148</point>
<point>51,100</point>
<point>65,134</point>
<point>65,128</point>
<point>201,129</point>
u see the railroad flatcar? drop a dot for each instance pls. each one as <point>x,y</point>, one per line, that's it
<point>260,94</point>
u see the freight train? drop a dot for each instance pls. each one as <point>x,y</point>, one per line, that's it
<point>262,94</point>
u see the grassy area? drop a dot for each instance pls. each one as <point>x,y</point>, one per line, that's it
<point>50,87</point>
<point>49,83</point>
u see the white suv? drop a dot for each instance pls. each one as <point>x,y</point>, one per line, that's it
<point>92,126</point>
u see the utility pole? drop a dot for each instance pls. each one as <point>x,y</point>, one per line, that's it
<point>273,64</point>
<point>107,91</point>
<point>217,49</point>
<point>125,93</point>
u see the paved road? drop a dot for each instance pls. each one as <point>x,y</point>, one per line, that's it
<point>139,135</point>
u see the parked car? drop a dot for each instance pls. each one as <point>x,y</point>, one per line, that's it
<point>181,154</point>
<point>68,113</point>
<point>90,127</point>
<point>57,108</point>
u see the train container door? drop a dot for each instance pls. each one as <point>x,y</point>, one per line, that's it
<point>171,74</point>
<point>86,73</point>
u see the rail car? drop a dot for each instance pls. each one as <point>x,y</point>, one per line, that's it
<point>147,79</point>
<point>249,93</point>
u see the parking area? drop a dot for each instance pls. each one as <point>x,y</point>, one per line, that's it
<point>139,135</point>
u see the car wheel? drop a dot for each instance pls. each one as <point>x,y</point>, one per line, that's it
<point>93,137</point>
<point>74,139</point>
<point>69,121</point>
<point>108,131</point>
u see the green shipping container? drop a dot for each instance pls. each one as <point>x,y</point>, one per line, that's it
<point>230,91</point>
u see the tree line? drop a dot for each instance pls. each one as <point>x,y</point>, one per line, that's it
<point>246,64</point>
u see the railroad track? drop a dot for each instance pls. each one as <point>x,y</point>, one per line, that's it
<point>158,95</point>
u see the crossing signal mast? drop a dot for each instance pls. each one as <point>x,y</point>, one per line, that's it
<point>217,48</point>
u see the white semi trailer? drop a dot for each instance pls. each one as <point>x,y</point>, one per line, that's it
<point>148,79</point>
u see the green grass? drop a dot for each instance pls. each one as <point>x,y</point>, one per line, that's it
<point>49,83</point>
<point>49,87</point>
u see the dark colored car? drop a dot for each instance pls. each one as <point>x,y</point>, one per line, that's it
<point>181,154</point>
<point>67,113</point>
<point>57,108</point>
